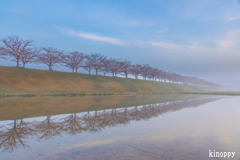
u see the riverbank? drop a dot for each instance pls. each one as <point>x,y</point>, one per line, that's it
<point>33,82</point>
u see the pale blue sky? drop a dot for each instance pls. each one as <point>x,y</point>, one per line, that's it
<point>196,38</point>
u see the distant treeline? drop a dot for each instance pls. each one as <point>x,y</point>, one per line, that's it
<point>18,50</point>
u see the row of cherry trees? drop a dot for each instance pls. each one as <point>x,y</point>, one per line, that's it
<point>19,50</point>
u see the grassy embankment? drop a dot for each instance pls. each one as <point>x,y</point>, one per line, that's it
<point>30,82</point>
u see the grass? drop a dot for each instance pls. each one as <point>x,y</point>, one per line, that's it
<point>32,82</point>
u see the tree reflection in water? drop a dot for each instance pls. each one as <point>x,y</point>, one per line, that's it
<point>16,134</point>
<point>73,124</point>
<point>48,128</point>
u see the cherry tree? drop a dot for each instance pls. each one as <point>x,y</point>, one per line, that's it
<point>105,67</point>
<point>144,70</point>
<point>73,60</point>
<point>29,56</point>
<point>113,66</point>
<point>87,64</point>
<point>68,61</point>
<point>50,56</point>
<point>79,60</point>
<point>96,61</point>
<point>160,75</point>
<point>125,67</point>
<point>136,70</point>
<point>2,53</point>
<point>16,47</point>
<point>152,74</point>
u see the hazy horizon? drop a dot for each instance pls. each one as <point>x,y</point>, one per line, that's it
<point>193,38</point>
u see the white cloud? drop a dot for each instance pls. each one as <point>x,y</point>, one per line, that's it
<point>96,37</point>
<point>226,43</point>
<point>230,17</point>
<point>229,40</point>
<point>100,38</point>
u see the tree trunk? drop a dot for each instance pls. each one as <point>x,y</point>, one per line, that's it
<point>17,62</point>
<point>15,124</point>
<point>48,120</point>
<point>96,71</point>
<point>50,67</point>
<point>126,75</point>
<point>76,69</point>
<point>23,64</point>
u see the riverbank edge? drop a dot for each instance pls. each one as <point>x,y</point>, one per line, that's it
<point>76,94</point>
<point>111,93</point>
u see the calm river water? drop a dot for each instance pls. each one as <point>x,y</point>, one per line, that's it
<point>181,127</point>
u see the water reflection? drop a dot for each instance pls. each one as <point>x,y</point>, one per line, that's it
<point>16,134</point>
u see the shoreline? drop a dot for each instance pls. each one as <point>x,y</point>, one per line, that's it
<point>62,94</point>
<point>76,94</point>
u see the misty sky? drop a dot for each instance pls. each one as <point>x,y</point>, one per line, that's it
<point>190,37</point>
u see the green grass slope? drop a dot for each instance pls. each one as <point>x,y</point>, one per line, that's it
<point>21,80</point>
